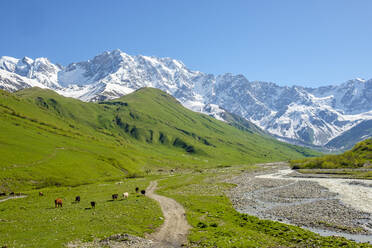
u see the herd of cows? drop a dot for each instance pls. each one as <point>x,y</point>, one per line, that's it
<point>59,202</point>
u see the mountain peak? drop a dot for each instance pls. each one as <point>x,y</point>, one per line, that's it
<point>27,60</point>
<point>310,115</point>
<point>360,80</point>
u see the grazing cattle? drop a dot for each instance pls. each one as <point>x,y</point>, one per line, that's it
<point>137,189</point>
<point>125,195</point>
<point>143,192</point>
<point>41,194</point>
<point>2,194</point>
<point>93,204</point>
<point>77,199</point>
<point>114,196</point>
<point>58,202</point>
<point>11,193</point>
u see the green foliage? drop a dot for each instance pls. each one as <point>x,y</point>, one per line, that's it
<point>48,139</point>
<point>359,156</point>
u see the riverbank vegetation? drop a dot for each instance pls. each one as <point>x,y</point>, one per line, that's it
<point>358,157</point>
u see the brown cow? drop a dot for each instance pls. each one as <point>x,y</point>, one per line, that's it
<point>41,194</point>
<point>58,202</point>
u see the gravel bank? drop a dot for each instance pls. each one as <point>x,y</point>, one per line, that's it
<point>300,202</point>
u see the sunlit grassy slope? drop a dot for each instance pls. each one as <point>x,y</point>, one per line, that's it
<point>359,156</point>
<point>47,139</point>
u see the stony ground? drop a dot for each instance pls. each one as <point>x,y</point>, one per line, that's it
<point>302,203</point>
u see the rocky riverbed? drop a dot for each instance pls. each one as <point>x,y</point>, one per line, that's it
<point>277,195</point>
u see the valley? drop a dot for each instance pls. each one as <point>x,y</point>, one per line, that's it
<point>65,148</point>
<point>203,194</point>
<point>185,124</point>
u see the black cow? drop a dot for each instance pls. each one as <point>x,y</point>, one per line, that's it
<point>137,189</point>
<point>11,193</point>
<point>77,199</point>
<point>93,204</point>
<point>114,196</point>
<point>143,192</point>
<point>2,194</point>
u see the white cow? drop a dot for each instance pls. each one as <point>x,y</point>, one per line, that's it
<point>125,195</point>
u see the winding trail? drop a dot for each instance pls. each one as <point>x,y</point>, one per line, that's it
<point>173,232</point>
<point>13,197</point>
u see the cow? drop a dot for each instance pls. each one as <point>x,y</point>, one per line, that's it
<point>11,193</point>
<point>58,202</point>
<point>2,194</point>
<point>143,192</point>
<point>77,199</point>
<point>41,194</point>
<point>114,196</point>
<point>93,204</point>
<point>125,195</point>
<point>137,189</point>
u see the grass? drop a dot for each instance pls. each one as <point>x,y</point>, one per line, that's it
<point>356,163</point>
<point>48,139</point>
<point>217,224</point>
<point>35,222</point>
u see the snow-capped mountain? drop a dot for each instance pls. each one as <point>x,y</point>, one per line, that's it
<point>309,115</point>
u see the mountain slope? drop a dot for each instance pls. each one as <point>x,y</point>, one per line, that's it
<point>359,156</point>
<point>354,135</point>
<point>310,116</point>
<point>48,139</point>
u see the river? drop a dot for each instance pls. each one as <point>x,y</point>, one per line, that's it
<point>328,206</point>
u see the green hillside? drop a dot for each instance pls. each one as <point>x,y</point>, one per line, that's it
<point>50,140</point>
<point>359,156</point>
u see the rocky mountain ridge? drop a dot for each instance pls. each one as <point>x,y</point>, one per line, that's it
<point>312,116</point>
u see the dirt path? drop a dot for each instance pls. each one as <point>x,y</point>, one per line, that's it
<point>13,197</point>
<point>173,233</point>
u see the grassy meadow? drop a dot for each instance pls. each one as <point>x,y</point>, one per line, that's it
<point>65,147</point>
<point>35,222</point>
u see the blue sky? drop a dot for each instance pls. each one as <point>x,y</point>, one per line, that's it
<point>307,43</point>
